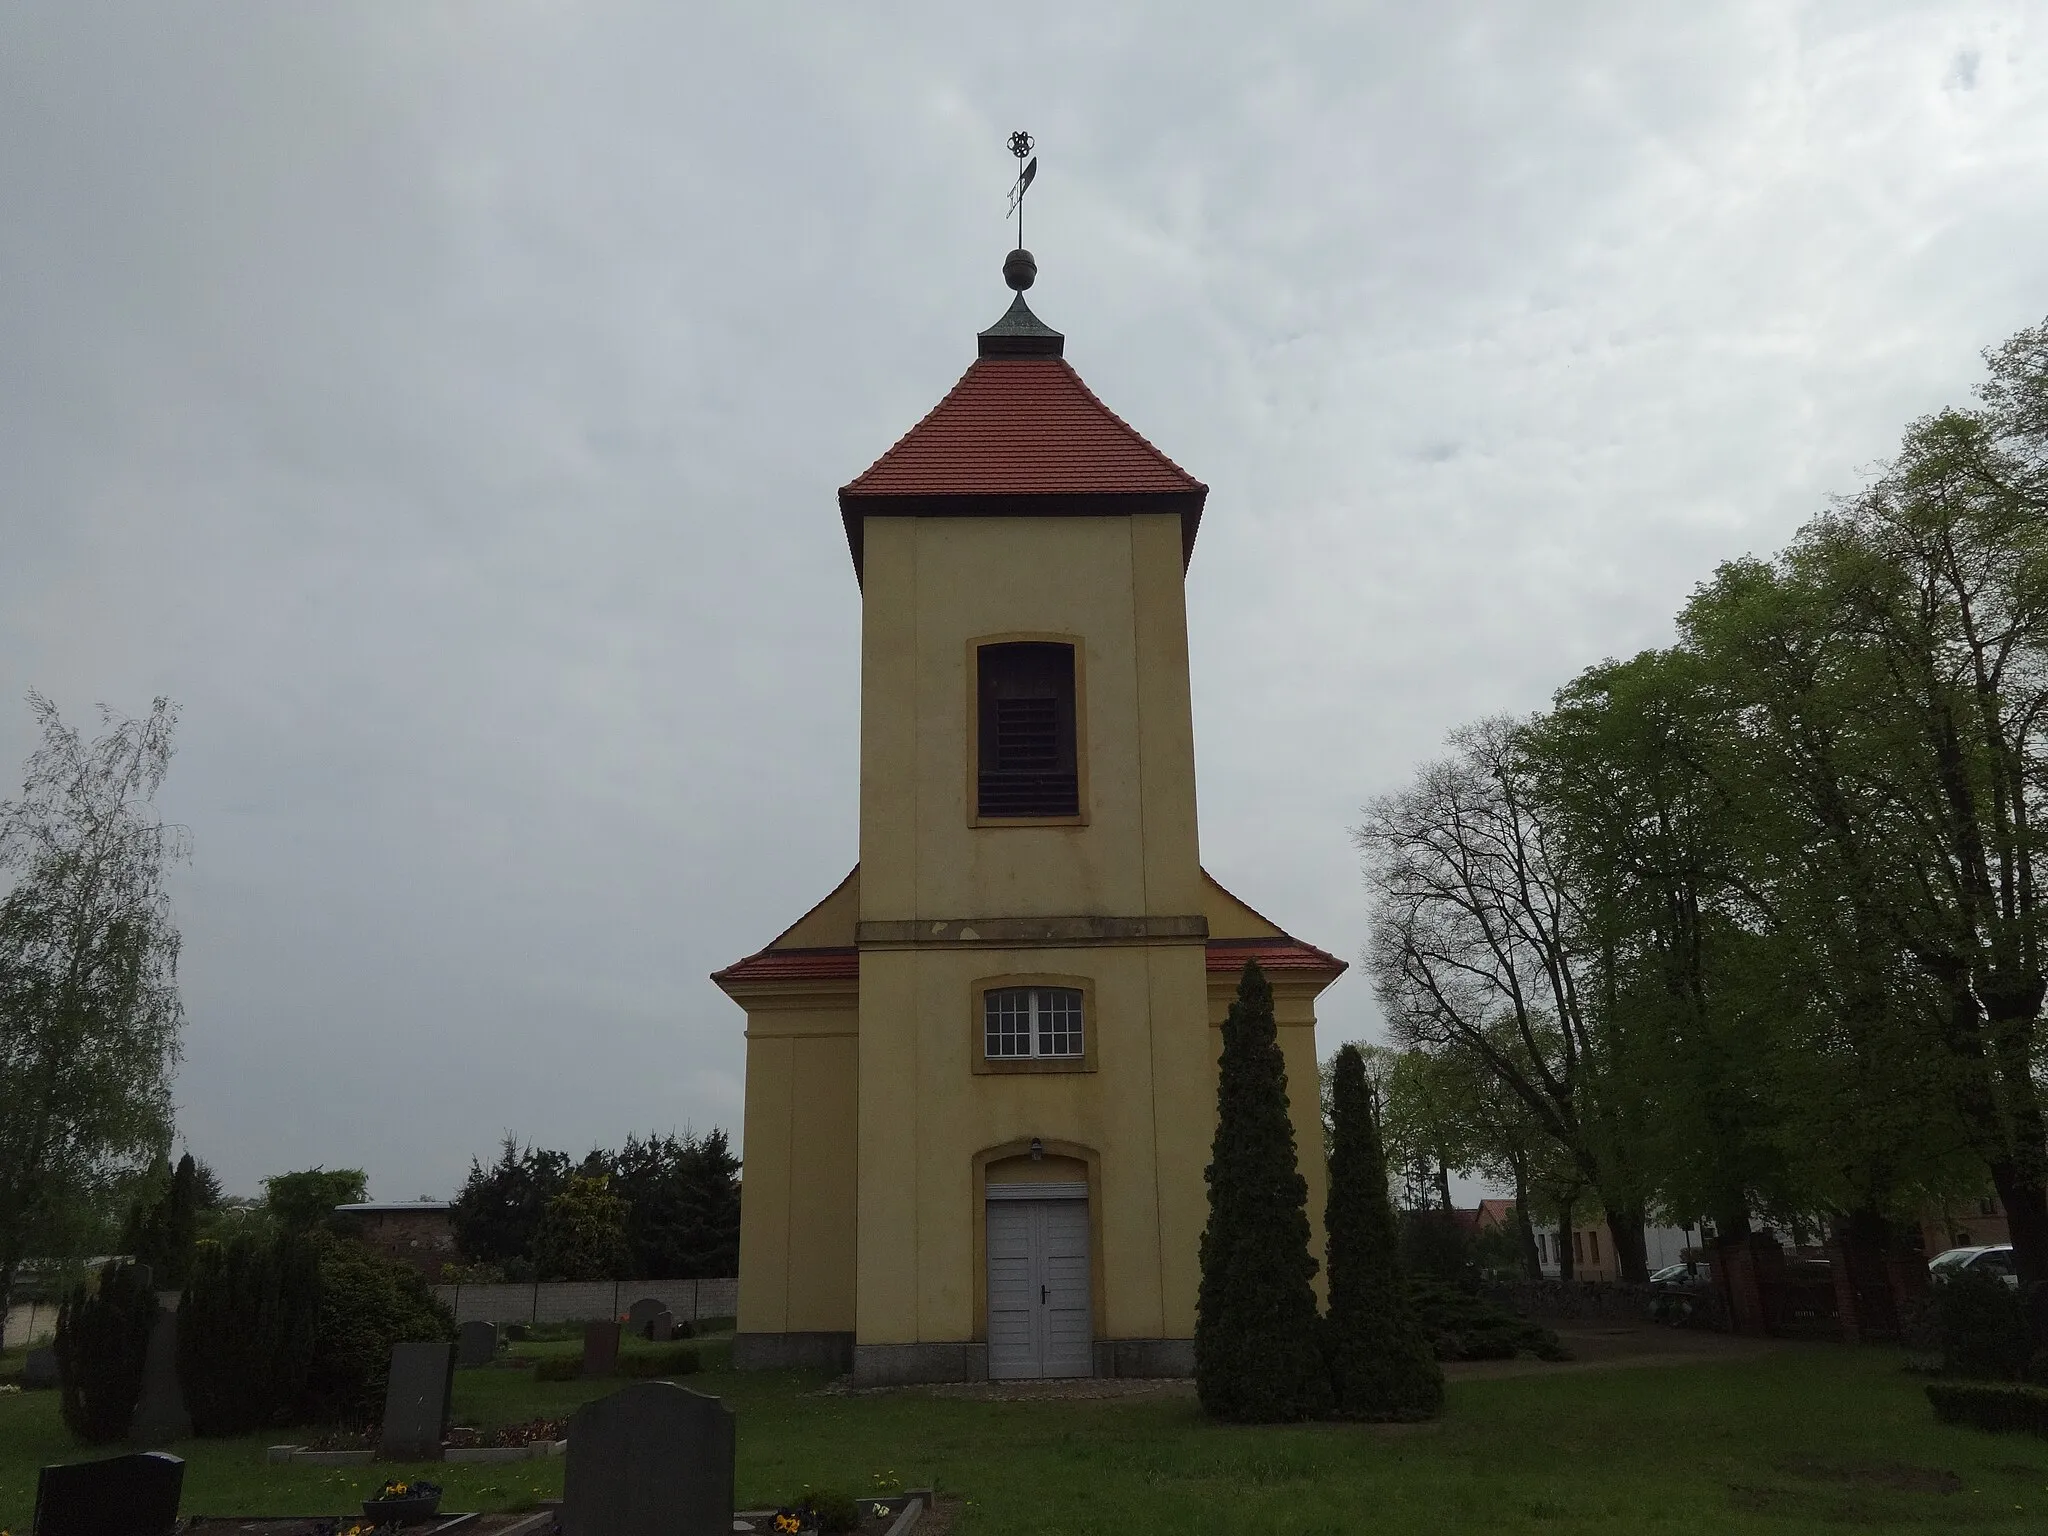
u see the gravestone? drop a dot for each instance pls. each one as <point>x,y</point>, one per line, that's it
<point>642,1312</point>
<point>654,1459</point>
<point>416,1402</point>
<point>160,1415</point>
<point>40,1368</point>
<point>601,1349</point>
<point>121,1496</point>
<point>477,1344</point>
<point>661,1327</point>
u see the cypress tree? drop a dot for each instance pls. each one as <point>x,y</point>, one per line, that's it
<point>1381,1364</point>
<point>1256,1354</point>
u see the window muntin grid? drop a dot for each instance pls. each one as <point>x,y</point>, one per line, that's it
<point>1022,1022</point>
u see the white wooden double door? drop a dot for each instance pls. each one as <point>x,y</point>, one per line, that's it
<point>1038,1312</point>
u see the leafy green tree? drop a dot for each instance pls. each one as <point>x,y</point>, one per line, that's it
<point>582,1232</point>
<point>304,1202</point>
<point>499,1209</point>
<point>89,1009</point>
<point>1256,1351</point>
<point>1484,944</point>
<point>1381,1364</point>
<point>102,1339</point>
<point>367,1303</point>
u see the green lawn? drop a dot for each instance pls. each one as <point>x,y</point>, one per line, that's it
<point>1811,1439</point>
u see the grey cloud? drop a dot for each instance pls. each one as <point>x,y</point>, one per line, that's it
<point>445,405</point>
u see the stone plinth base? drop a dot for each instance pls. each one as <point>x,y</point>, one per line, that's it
<point>793,1352</point>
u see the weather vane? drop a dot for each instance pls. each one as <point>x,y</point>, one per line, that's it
<point>1020,146</point>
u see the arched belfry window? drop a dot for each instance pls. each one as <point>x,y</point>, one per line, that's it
<point>1026,753</point>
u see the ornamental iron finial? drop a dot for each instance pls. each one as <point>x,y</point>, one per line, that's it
<point>1027,172</point>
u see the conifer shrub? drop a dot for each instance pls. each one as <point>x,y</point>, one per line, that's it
<point>247,1328</point>
<point>1257,1355</point>
<point>102,1340</point>
<point>1380,1358</point>
<point>367,1304</point>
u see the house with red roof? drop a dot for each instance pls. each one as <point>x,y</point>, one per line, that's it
<point>981,1071</point>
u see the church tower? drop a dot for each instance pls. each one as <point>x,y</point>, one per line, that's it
<point>981,1074</point>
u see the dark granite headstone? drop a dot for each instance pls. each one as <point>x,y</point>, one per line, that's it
<point>160,1415</point>
<point>661,1327</point>
<point>416,1402</point>
<point>121,1496</point>
<point>653,1460</point>
<point>600,1349</point>
<point>40,1368</point>
<point>642,1312</point>
<point>477,1343</point>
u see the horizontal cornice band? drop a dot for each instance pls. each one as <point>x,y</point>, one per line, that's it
<point>1027,932</point>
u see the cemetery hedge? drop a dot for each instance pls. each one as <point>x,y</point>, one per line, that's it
<point>247,1326</point>
<point>102,1337</point>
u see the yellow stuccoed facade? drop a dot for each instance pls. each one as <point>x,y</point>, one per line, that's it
<point>875,1125</point>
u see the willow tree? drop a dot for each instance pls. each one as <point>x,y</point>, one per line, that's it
<point>89,1009</point>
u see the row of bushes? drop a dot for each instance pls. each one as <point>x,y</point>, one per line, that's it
<point>2003,1408</point>
<point>272,1330</point>
<point>679,1360</point>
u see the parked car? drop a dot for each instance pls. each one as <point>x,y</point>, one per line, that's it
<point>1990,1259</point>
<point>1677,1291</point>
<point>1687,1275</point>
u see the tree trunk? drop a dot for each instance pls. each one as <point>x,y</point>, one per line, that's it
<point>2026,1219</point>
<point>1443,1184</point>
<point>1631,1255</point>
<point>1525,1230</point>
<point>1564,1239</point>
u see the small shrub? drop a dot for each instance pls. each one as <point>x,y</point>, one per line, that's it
<point>681,1360</point>
<point>832,1512</point>
<point>2000,1409</point>
<point>102,1338</point>
<point>557,1368</point>
<point>1982,1327</point>
<point>1464,1326</point>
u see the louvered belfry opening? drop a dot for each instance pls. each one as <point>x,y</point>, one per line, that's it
<point>1026,730</point>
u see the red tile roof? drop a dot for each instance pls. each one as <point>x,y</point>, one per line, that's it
<point>793,965</point>
<point>1022,426</point>
<point>1272,955</point>
<point>1021,436</point>
<point>1225,956</point>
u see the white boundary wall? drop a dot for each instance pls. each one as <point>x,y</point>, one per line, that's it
<point>575,1301</point>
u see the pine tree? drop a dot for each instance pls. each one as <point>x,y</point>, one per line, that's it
<point>1257,1359</point>
<point>1381,1364</point>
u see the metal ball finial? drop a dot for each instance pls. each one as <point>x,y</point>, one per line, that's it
<point>1020,269</point>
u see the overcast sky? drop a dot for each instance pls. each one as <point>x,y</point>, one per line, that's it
<point>444,405</point>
